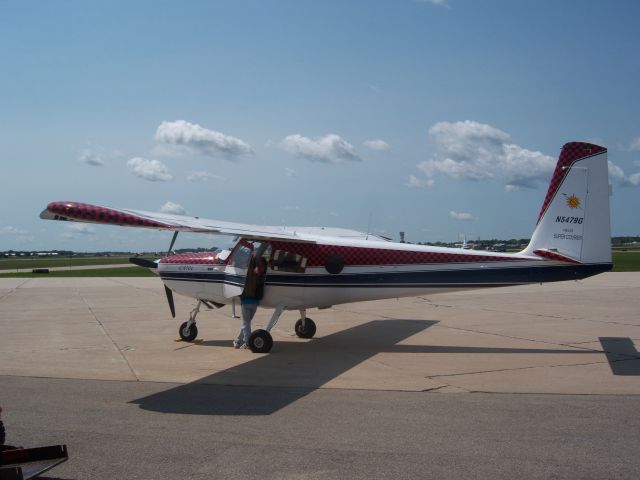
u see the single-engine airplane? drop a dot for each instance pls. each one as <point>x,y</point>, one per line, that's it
<point>317,267</point>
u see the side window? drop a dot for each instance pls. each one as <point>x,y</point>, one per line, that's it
<point>288,262</point>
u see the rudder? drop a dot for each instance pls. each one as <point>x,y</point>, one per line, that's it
<point>574,221</point>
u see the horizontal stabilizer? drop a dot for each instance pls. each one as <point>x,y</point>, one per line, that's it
<point>143,262</point>
<point>554,256</point>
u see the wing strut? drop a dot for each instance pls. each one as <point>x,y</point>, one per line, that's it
<point>167,290</point>
<point>173,241</point>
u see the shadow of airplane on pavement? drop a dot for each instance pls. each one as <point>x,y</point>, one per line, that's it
<point>301,368</point>
<point>622,355</point>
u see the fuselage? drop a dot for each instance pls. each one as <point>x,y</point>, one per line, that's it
<point>344,270</point>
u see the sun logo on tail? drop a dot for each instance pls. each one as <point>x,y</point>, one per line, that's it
<point>573,202</point>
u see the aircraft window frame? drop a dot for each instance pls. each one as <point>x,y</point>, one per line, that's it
<point>233,260</point>
<point>285,261</point>
<point>253,248</point>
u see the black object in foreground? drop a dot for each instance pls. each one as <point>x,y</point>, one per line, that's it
<point>143,262</point>
<point>26,463</point>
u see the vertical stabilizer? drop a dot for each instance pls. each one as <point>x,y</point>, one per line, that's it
<point>574,222</point>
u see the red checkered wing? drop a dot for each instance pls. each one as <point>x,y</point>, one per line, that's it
<point>84,212</point>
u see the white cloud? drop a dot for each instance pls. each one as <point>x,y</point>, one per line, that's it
<point>377,145</point>
<point>196,139</point>
<point>439,3</point>
<point>9,230</point>
<point>635,144</point>
<point>415,182</point>
<point>637,163</point>
<point>290,172</point>
<point>152,170</point>
<point>18,234</point>
<point>203,177</point>
<point>328,149</point>
<point>174,208</point>
<point>474,151</point>
<point>92,158</point>
<point>77,230</point>
<point>462,216</point>
<point>617,175</point>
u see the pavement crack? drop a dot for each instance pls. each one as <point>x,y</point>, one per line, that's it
<point>433,389</point>
<point>531,367</point>
<point>106,333</point>
<point>14,290</point>
<point>511,337</point>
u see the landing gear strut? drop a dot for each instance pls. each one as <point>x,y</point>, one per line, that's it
<point>188,330</point>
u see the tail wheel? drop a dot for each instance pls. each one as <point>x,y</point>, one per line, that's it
<point>260,341</point>
<point>188,333</point>
<point>309,329</point>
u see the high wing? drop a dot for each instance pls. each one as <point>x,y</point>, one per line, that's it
<point>88,213</point>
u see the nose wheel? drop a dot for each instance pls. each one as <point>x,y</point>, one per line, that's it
<point>188,332</point>
<point>305,328</point>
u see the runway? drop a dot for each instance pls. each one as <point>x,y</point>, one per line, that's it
<point>537,380</point>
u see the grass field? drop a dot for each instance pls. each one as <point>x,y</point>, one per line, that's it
<point>49,262</point>
<point>628,261</point>
<point>93,272</point>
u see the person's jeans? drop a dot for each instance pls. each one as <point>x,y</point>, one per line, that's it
<point>248,311</point>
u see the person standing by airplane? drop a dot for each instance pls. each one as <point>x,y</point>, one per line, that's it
<point>250,298</point>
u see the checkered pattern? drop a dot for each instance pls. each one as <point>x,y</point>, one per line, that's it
<point>93,213</point>
<point>193,258</point>
<point>554,256</point>
<point>570,154</point>
<point>317,255</point>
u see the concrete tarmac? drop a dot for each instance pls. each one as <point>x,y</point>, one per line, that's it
<point>421,386</point>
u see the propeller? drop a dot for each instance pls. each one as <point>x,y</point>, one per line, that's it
<point>143,262</point>
<point>172,306</point>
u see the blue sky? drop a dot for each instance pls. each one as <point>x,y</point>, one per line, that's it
<point>437,118</point>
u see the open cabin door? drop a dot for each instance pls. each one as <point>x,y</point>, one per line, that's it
<point>237,265</point>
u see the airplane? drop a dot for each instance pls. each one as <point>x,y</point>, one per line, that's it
<point>318,267</point>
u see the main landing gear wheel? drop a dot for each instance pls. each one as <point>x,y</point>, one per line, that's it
<point>309,329</point>
<point>260,341</point>
<point>188,333</point>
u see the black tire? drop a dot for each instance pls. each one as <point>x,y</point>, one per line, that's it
<point>260,341</point>
<point>309,329</point>
<point>188,334</point>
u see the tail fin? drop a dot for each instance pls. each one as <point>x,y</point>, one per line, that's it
<point>574,222</point>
